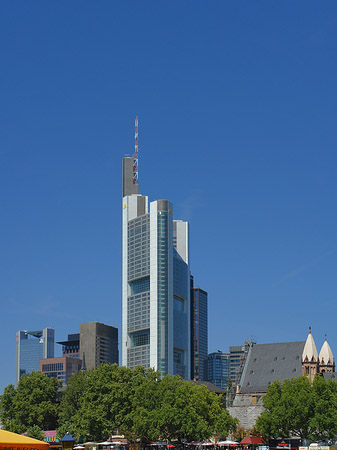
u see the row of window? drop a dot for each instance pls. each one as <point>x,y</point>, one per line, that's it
<point>52,367</point>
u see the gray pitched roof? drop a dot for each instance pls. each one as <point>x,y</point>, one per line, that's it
<point>210,386</point>
<point>330,376</point>
<point>269,362</point>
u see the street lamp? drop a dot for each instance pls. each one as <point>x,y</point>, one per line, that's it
<point>67,442</point>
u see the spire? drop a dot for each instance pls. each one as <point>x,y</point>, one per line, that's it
<point>325,355</point>
<point>130,169</point>
<point>135,156</point>
<point>310,353</point>
<point>83,367</point>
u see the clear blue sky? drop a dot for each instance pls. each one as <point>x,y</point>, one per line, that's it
<point>237,108</point>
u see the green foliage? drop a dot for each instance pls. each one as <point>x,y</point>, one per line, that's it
<point>66,428</point>
<point>33,402</point>
<point>298,408</point>
<point>173,409</point>
<point>101,400</point>
<point>99,403</point>
<point>71,398</point>
<point>35,432</point>
<point>7,410</point>
<point>324,420</point>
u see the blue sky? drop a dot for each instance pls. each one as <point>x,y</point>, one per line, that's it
<point>237,109</point>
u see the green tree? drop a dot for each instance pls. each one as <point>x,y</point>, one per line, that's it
<point>298,408</point>
<point>33,402</point>
<point>288,408</point>
<point>323,424</point>
<point>35,432</point>
<point>71,398</point>
<point>181,410</point>
<point>101,401</point>
<point>7,410</point>
<point>141,423</point>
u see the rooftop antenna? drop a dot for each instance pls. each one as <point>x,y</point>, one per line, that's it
<point>135,156</point>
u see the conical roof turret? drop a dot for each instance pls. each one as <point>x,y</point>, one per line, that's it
<point>310,353</point>
<point>325,355</point>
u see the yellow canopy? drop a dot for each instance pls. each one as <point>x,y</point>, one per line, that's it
<point>10,440</point>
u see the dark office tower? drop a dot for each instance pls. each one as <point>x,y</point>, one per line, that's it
<point>31,346</point>
<point>71,347</point>
<point>192,322</point>
<point>199,336</point>
<point>99,344</point>
<point>218,368</point>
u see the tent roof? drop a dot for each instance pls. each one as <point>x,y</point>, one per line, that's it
<point>252,440</point>
<point>17,440</point>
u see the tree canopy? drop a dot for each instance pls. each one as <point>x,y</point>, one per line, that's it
<point>299,408</point>
<point>97,403</point>
<point>141,406</point>
<point>32,403</point>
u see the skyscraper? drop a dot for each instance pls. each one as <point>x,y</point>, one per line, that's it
<point>218,368</point>
<point>156,278</point>
<point>98,344</point>
<point>199,332</point>
<point>31,346</point>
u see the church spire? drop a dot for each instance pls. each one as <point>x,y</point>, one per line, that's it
<point>310,352</point>
<point>310,360</point>
<point>326,359</point>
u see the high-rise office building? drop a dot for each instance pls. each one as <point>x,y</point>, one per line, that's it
<point>156,281</point>
<point>218,368</point>
<point>237,358</point>
<point>199,332</point>
<point>31,346</point>
<point>98,344</point>
<point>71,347</point>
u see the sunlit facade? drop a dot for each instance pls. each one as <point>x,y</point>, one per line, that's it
<point>155,284</point>
<point>31,346</point>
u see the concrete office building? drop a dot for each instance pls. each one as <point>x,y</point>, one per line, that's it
<point>199,333</point>
<point>155,282</point>
<point>31,346</point>
<point>98,344</point>
<point>61,368</point>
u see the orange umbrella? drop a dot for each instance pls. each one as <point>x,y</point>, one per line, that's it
<point>13,440</point>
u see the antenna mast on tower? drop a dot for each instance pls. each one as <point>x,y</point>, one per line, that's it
<point>135,156</point>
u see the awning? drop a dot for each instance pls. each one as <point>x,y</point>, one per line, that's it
<point>228,443</point>
<point>252,440</point>
<point>13,440</point>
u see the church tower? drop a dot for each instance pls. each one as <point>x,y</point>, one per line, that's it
<point>326,359</point>
<point>310,360</point>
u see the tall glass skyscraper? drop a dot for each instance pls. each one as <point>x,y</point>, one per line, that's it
<point>218,368</point>
<point>155,282</point>
<point>199,328</point>
<point>31,346</point>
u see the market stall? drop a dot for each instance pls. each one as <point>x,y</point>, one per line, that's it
<point>13,441</point>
